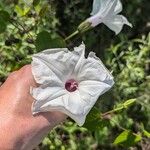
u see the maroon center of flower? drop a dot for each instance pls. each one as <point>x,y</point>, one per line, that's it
<point>71,85</point>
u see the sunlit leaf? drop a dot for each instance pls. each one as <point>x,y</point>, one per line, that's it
<point>19,10</point>
<point>129,102</point>
<point>124,105</point>
<point>146,133</point>
<point>22,11</point>
<point>127,139</point>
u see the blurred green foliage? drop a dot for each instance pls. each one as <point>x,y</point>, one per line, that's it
<point>29,26</point>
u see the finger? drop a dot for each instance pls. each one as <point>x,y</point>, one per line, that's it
<point>10,82</point>
<point>50,119</point>
<point>27,76</point>
<point>54,118</point>
<point>22,77</point>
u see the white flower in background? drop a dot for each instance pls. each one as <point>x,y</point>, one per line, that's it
<point>69,82</point>
<point>106,11</point>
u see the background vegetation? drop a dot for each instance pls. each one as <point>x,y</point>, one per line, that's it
<point>27,27</point>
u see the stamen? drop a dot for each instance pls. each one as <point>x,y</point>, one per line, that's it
<point>71,85</point>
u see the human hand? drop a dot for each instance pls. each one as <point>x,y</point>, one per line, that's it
<point>19,129</point>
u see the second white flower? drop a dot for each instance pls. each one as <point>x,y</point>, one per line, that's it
<point>107,12</point>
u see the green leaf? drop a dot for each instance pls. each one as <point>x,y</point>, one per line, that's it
<point>44,41</point>
<point>101,135</point>
<point>93,114</point>
<point>124,105</point>
<point>36,2</point>
<point>2,26</point>
<point>22,11</point>
<point>19,10</point>
<point>43,10</point>
<point>146,133</point>
<point>4,18</point>
<point>127,139</point>
<point>129,102</point>
<point>4,15</point>
<point>93,121</point>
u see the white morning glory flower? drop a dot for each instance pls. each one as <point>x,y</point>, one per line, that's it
<point>69,82</point>
<point>106,11</point>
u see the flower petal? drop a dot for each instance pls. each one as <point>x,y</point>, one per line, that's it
<point>43,68</point>
<point>93,77</point>
<point>53,65</point>
<point>92,68</point>
<point>113,7</point>
<point>102,6</point>
<point>94,87</point>
<point>75,103</point>
<point>102,9</point>
<point>45,75</point>
<point>118,7</point>
<point>47,92</point>
<point>70,104</point>
<point>106,11</point>
<point>49,105</point>
<point>115,23</point>
<point>96,6</point>
<point>80,51</point>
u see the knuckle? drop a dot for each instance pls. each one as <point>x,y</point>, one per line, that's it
<point>25,73</point>
<point>19,74</point>
<point>25,68</point>
<point>13,75</point>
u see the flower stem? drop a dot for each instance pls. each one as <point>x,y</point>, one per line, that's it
<point>72,35</point>
<point>83,27</point>
<point>112,111</point>
<point>122,128</point>
<point>120,107</point>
